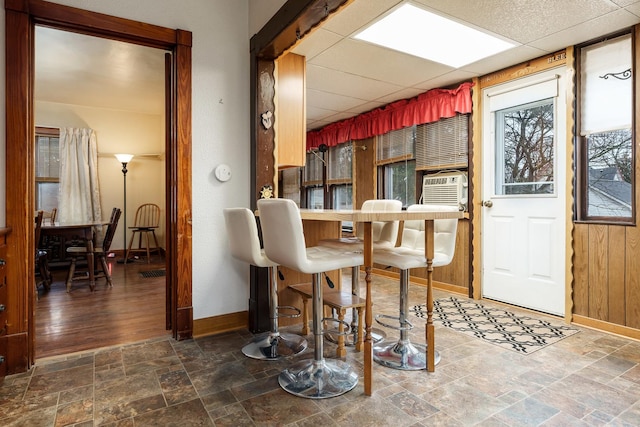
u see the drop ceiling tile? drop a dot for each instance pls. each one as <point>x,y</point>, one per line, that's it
<point>506,59</point>
<point>378,63</point>
<point>595,28</point>
<point>624,3</point>
<point>367,106</point>
<point>635,9</point>
<point>448,79</point>
<point>409,92</point>
<point>357,15</point>
<point>338,82</point>
<point>332,101</point>
<point>522,20</point>
<point>316,43</point>
<point>316,113</point>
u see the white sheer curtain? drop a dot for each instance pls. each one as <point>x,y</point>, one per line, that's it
<point>79,194</point>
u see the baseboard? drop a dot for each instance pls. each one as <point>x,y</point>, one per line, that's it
<point>603,326</point>
<point>219,324</point>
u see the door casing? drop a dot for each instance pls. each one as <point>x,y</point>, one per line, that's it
<point>21,16</point>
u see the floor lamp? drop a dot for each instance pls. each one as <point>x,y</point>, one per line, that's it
<point>124,159</point>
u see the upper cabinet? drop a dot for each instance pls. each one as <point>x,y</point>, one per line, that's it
<point>290,105</point>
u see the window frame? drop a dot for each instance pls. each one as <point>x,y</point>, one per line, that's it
<point>48,132</point>
<point>581,180</point>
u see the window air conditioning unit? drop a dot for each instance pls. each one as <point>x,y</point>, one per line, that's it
<point>448,188</point>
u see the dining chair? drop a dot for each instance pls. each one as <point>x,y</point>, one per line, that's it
<point>404,354</point>
<point>284,244</point>
<point>145,223</point>
<point>244,244</point>
<point>50,216</point>
<point>41,256</point>
<point>100,252</point>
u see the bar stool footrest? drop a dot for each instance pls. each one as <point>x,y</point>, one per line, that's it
<point>296,311</point>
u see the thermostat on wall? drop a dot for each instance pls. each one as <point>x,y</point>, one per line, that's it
<point>223,173</point>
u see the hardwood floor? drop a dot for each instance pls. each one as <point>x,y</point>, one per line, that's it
<point>132,310</point>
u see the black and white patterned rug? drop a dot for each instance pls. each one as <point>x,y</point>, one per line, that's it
<point>515,332</point>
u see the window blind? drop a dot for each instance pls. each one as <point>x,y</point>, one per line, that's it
<point>396,145</point>
<point>443,144</point>
<point>606,86</point>
<point>291,184</point>
<point>313,169</point>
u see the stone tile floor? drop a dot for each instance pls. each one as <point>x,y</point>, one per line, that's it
<point>588,379</point>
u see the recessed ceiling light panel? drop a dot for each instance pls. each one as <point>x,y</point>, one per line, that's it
<point>413,30</point>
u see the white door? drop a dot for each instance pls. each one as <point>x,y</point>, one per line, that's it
<point>523,192</point>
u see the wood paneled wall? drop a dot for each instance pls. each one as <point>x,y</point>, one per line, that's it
<point>607,273</point>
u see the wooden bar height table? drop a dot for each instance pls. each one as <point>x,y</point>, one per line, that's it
<point>366,218</point>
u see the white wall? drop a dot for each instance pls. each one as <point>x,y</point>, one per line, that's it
<point>260,11</point>
<point>118,131</point>
<point>220,132</point>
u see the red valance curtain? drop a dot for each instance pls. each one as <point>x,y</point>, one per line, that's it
<point>428,107</point>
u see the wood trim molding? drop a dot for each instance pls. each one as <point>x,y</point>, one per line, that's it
<point>521,70</point>
<point>568,184</point>
<point>601,325</point>
<point>291,23</point>
<point>219,324</point>
<point>20,18</point>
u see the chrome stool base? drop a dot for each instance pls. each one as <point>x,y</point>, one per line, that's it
<point>403,355</point>
<point>318,379</point>
<point>272,346</point>
<point>377,335</point>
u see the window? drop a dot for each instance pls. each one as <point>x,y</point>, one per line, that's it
<point>606,128</point>
<point>291,184</point>
<point>313,180</point>
<point>397,166</point>
<point>339,178</point>
<point>47,166</point>
<point>525,149</point>
<point>315,197</point>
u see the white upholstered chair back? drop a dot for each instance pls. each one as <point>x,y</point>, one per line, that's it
<point>445,234</point>
<point>244,242</point>
<point>383,232</point>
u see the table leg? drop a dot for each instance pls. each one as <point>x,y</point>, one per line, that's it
<point>430,329</point>
<point>368,341</point>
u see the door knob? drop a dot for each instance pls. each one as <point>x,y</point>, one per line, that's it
<point>487,203</point>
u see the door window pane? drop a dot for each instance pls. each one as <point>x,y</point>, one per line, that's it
<point>525,149</point>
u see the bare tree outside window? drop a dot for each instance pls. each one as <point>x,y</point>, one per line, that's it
<point>526,146</point>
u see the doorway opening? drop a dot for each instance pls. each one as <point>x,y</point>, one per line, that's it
<point>117,90</point>
<point>21,18</point>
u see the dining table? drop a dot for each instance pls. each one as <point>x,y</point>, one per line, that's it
<point>366,218</point>
<point>82,231</point>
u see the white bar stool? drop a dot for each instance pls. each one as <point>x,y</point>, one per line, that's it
<point>284,243</point>
<point>244,244</point>
<point>404,354</point>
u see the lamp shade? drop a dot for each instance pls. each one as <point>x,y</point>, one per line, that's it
<point>124,158</point>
